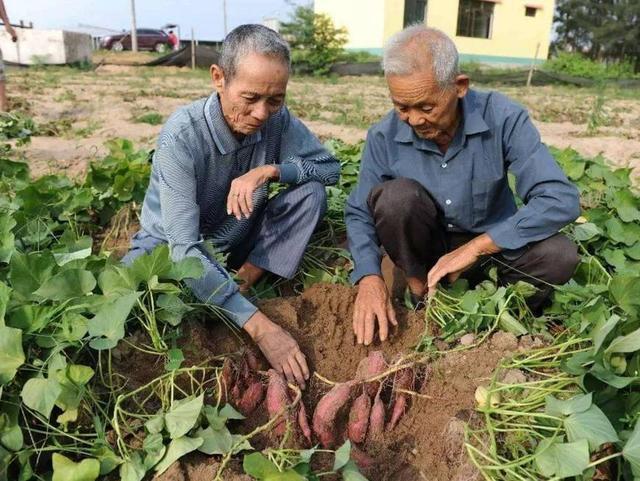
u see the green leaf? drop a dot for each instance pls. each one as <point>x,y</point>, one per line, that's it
<point>559,408</point>
<point>602,330</point>
<point>350,472</point>
<point>633,251</point>
<point>117,280</point>
<point>66,470</point>
<point>40,394</point>
<point>591,425</point>
<point>156,263</point>
<point>259,467</point>
<point>171,309</point>
<point>628,343</point>
<point>155,424</point>
<point>29,271</point>
<point>625,203</point>
<point>10,433</point>
<point>183,415</point>
<point>81,249</point>
<point>615,258</point>
<point>619,232</point>
<point>625,291</point>
<point>67,284</point>
<point>343,454</point>
<point>11,353</point>
<point>631,450</point>
<point>187,268</point>
<point>586,231</point>
<point>177,448</point>
<point>7,239</point>
<point>229,412</point>
<point>5,294</point>
<point>510,324</point>
<point>154,449</point>
<point>605,375</point>
<point>107,326</point>
<point>175,358</point>
<point>562,460</point>
<point>221,441</point>
<point>132,469</point>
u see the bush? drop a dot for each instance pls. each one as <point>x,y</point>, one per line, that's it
<point>315,41</point>
<point>578,65</point>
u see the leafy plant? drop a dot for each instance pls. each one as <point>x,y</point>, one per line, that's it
<point>151,118</point>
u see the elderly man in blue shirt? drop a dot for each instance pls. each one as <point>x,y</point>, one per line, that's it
<point>208,191</point>
<point>433,188</point>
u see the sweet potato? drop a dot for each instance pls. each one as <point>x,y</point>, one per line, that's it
<point>362,459</point>
<point>226,380</point>
<point>251,397</point>
<point>376,418</point>
<point>359,418</point>
<point>277,399</point>
<point>403,380</point>
<point>251,360</point>
<point>326,411</point>
<point>371,366</point>
<point>303,422</point>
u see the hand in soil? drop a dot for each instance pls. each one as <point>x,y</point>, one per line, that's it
<point>373,302</point>
<point>280,349</point>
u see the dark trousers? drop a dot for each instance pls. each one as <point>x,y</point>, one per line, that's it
<point>411,230</point>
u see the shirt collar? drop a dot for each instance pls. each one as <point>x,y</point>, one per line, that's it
<point>224,139</point>
<point>472,121</point>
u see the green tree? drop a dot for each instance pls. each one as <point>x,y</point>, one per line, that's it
<point>316,42</point>
<point>604,30</point>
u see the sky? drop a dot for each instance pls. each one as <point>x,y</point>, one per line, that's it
<point>204,16</point>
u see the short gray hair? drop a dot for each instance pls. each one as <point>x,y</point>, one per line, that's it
<point>248,39</point>
<point>419,47</point>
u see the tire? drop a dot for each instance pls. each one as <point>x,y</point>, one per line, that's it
<point>117,47</point>
<point>160,47</point>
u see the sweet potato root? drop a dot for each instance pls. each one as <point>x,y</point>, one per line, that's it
<point>303,422</point>
<point>359,418</point>
<point>277,400</point>
<point>326,411</point>
<point>251,397</point>
<point>371,366</point>
<point>403,380</point>
<point>376,418</point>
<point>226,380</point>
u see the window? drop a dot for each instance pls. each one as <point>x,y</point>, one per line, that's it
<point>530,11</point>
<point>475,18</point>
<point>414,11</point>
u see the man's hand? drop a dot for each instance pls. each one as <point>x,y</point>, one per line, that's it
<point>457,261</point>
<point>11,31</point>
<point>373,302</point>
<point>280,349</point>
<point>240,200</point>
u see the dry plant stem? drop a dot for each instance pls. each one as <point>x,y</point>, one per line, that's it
<point>258,430</point>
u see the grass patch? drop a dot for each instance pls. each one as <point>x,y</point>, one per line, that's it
<point>151,118</point>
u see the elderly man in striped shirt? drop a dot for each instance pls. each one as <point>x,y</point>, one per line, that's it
<point>209,186</point>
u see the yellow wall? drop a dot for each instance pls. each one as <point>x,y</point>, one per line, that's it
<point>363,19</point>
<point>514,35</point>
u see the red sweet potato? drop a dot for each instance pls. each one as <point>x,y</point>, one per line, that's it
<point>277,399</point>
<point>376,418</point>
<point>359,418</point>
<point>371,366</point>
<point>303,422</point>
<point>251,397</point>
<point>362,459</point>
<point>251,360</point>
<point>226,380</point>
<point>403,380</point>
<point>326,411</point>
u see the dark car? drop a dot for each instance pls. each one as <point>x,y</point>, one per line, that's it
<point>148,39</point>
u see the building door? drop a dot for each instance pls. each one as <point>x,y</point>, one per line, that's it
<point>414,11</point>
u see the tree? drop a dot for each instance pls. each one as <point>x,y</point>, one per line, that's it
<point>316,42</point>
<point>605,30</point>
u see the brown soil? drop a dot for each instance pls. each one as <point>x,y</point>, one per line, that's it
<point>428,442</point>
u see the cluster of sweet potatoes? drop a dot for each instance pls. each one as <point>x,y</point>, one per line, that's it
<point>357,403</point>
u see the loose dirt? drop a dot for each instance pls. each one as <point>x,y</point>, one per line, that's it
<point>428,442</point>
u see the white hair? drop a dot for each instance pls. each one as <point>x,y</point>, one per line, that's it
<point>419,47</point>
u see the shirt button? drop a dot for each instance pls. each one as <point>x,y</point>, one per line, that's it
<point>448,201</point>
<point>444,166</point>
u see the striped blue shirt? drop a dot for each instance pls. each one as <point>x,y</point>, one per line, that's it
<point>196,158</point>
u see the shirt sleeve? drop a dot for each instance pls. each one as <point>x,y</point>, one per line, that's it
<point>180,214</point>
<point>550,200</point>
<point>364,244</point>
<point>303,157</point>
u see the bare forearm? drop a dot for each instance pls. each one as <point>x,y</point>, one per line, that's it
<point>3,14</point>
<point>484,245</point>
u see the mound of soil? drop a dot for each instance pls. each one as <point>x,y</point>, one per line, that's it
<point>427,444</point>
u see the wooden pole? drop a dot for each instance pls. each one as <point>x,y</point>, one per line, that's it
<point>533,65</point>
<point>134,31</point>
<point>193,50</point>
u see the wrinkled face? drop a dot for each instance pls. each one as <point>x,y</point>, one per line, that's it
<point>432,111</point>
<point>256,91</point>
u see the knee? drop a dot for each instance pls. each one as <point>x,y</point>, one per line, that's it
<point>314,197</point>
<point>561,258</point>
<point>397,197</point>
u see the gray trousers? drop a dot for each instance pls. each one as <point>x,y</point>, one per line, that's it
<point>412,233</point>
<point>278,238</point>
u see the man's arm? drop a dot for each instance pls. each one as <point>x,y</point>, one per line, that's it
<point>302,157</point>
<point>7,24</point>
<point>373,301</point>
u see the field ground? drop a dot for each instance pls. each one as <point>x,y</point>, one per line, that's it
<point>82,109</point>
